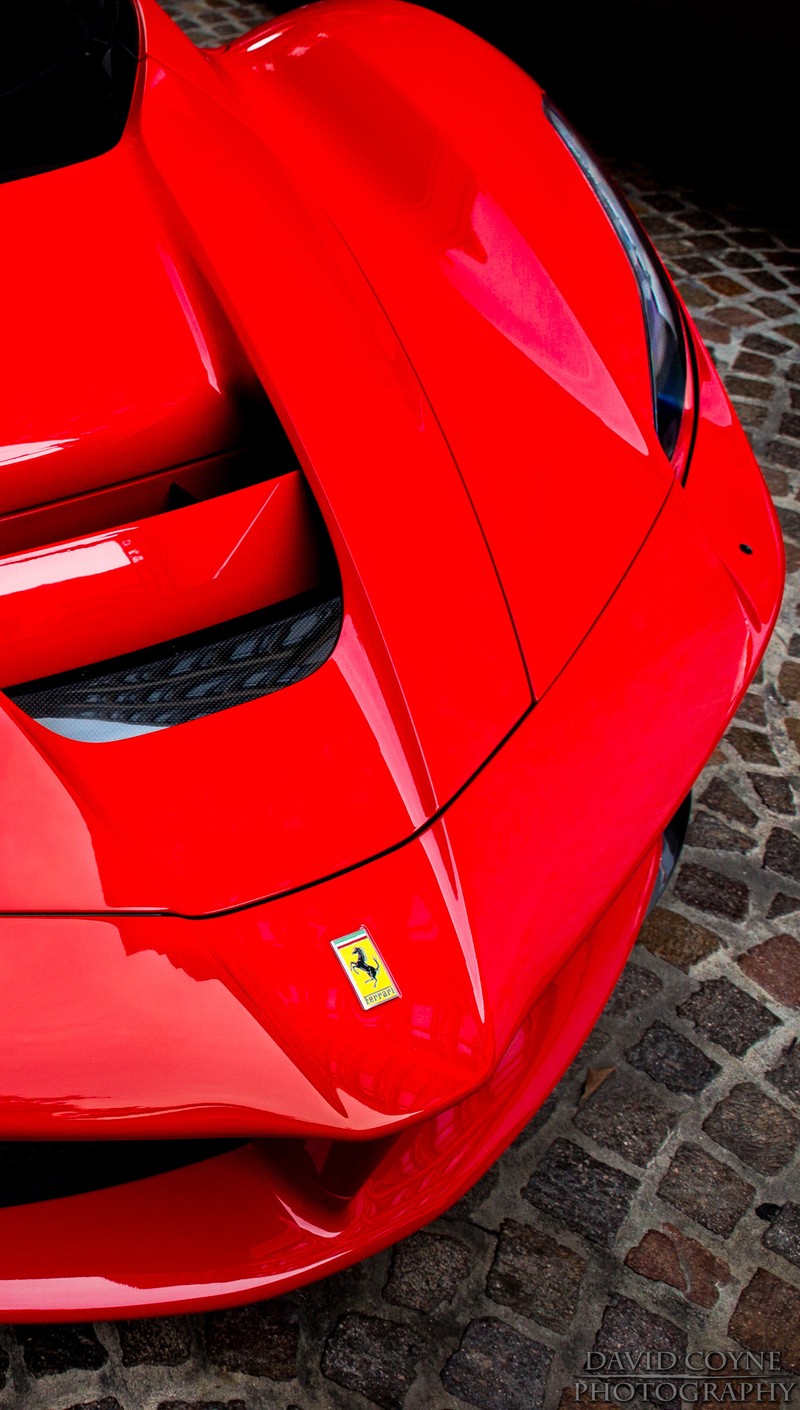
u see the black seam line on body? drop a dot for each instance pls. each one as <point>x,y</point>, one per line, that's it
<point>608,602</point>
<point>191,463</point>
<point>450,451</point>
<point>239,114</point>
<point>154,912</point>
<point>376,856</point>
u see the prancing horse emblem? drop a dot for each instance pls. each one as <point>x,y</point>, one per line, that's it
<point>366,969</point>
<point>371,970</point>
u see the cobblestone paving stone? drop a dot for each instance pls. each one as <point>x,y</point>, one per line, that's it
<point>660,1211</point>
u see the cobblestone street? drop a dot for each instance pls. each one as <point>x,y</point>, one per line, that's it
<point>655,1201</point>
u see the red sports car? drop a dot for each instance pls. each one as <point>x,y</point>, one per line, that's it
<point>380,562</point>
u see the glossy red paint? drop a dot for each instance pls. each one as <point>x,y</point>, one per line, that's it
<point>275,1214</point>
<point>474,931</point>
<point>354,759</point>
<point>122,398</point>
<point>327,217</point>
<point>530,965</point>
<point>504,280</point>
<point>105,594</point>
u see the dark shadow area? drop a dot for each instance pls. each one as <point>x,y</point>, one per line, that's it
<point>33,1171</point>
<point>703,91</point>
<point>67,71</point>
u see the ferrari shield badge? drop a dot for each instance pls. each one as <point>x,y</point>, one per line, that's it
<point>366,969</point>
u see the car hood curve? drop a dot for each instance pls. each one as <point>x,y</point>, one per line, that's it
<point>464,388</point>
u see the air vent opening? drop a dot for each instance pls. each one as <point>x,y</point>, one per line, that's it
<point>222,587</point>
<point>329,1173</point>
<point>33,1171</point>
<point>267,454</point>
<point>134,500</point>
<point>186,679</point>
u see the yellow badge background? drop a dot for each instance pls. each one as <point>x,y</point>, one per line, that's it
<point>370,992</point>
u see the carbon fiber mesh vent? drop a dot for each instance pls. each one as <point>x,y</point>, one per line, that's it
<point>192,676</point>
<point>31,1171</point>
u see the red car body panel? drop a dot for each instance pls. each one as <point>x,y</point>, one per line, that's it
<point>412,701</point>
<point>462,212</point>
<point>84,306</point>
<point>278,1213</point>
<point>471,949</point>
<point>435,303</point>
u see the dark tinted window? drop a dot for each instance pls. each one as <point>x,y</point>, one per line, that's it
<point>67,70</point>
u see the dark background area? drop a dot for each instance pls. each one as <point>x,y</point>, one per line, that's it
<point>704,91</point>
